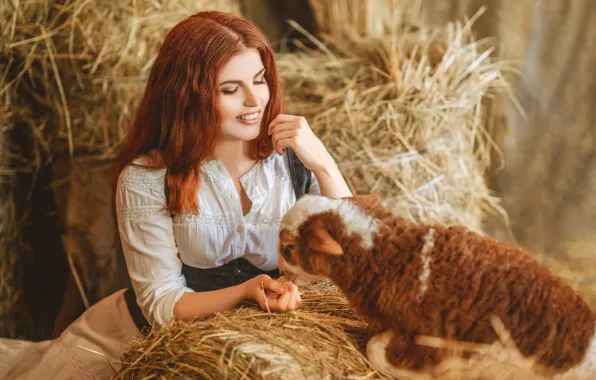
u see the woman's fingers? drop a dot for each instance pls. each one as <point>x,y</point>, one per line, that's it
<point>285,126</point>
<point>274,286</point>
<point>282,118</point>
<point>278,296</point>
<point>294,296</point>
<point>277,136</point>
<point>288,142</point>
<point>284,300</point>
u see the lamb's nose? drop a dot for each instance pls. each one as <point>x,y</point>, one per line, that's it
<point>289,275</point>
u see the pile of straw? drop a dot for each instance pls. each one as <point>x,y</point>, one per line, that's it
<point>403,116</point>
<point>10,289</point>
<point>249,343</point>
<point>13,253</point>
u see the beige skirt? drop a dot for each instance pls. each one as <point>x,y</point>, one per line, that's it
<point>90,348</point>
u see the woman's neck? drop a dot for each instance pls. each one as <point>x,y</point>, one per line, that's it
<point>232,155</point>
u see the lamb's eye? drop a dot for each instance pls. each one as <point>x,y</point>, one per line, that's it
<point>286,253</point>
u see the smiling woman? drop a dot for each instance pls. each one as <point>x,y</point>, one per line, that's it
<point>207,141</point>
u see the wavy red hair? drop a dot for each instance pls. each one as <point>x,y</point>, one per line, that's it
<point>178,123</point>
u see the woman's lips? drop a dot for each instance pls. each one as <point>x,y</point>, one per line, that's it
<point>251,121</point>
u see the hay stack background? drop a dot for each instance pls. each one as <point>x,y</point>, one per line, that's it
<point>11,251</point>
<point>403,115</point>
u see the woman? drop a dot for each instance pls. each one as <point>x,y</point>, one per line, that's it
<point>203,179</point>
<point>212,119</point>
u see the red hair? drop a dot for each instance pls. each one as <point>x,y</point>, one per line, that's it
<point>177,123</point>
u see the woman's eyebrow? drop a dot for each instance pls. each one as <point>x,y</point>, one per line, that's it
<point>239,81</point>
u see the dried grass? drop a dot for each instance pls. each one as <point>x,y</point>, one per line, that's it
<point>250,343</point>
<point>403,116</point>
<point>10,287</point>
<point>12,249</point>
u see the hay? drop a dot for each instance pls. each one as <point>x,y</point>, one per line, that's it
<point>10,289</point>
<point>320,340</point>
<point>364,17</point>
<point>403,116</point>
<point>84,196</point>
<point>13,253</point>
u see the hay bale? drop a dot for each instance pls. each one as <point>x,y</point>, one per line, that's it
<point>13,252</point>
<point>321,340</point>
<point>10,287</point>
<point>83,193</point>
<point>403,116</point>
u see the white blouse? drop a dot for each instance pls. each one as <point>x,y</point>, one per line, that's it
<point>155,245</point>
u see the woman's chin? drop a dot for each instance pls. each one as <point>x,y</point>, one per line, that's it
<point>247,133</point>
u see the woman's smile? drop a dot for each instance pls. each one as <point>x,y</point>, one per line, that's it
<point>250,118</point>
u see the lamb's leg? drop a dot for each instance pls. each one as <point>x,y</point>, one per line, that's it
<point>376,352</point>
<point>390,352</point>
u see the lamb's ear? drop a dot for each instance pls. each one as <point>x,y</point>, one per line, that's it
<point>366,201</point>
<point>319,240</point>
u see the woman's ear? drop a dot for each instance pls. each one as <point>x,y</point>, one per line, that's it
<point>320,240</point>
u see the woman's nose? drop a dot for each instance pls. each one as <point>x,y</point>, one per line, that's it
<point>251,99</point>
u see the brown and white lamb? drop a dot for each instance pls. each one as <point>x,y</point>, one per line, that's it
<point>408,279</point>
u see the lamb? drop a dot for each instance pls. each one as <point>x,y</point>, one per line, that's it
<point>409,279</point>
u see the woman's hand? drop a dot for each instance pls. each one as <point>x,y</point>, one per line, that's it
<point>294,132</point>
<point>271,294</point>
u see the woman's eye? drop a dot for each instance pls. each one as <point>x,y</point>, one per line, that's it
<point>262,81</point>
<point>230,92</point>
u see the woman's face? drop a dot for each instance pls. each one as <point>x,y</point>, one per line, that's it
<point>243,96</point>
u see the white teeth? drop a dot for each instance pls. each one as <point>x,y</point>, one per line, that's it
<point>252,116</point>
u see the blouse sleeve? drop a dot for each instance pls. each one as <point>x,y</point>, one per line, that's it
<point>147,235</point>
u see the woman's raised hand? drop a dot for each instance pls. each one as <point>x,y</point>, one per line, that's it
<point>294,132</point>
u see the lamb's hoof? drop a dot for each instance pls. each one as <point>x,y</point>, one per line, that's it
<point>376,352</point>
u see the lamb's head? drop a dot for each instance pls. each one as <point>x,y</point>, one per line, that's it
<point>312,231</point>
